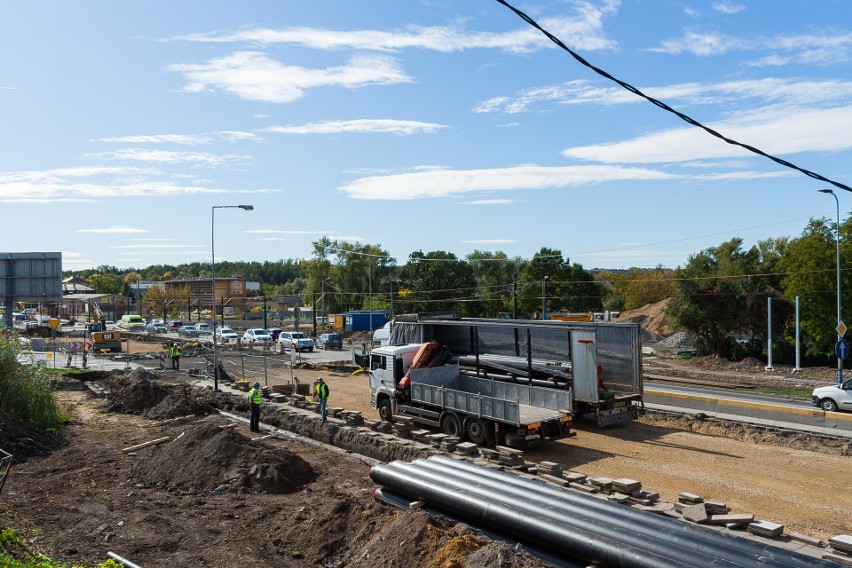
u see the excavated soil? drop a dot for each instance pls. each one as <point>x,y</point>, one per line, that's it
<point>212,494</point>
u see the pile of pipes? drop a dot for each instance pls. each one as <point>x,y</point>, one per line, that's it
<point>579,529</point>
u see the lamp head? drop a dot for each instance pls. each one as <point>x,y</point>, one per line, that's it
<point>825,191</point>
<point>246,207</point>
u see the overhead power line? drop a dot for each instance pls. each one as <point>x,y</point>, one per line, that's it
<point>664,106</point>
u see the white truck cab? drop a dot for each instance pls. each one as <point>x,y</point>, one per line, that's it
<point>387,367</point>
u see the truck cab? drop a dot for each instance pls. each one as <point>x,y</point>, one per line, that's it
<point>388,366</point>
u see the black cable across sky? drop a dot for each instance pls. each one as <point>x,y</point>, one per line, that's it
<point>666,107</point>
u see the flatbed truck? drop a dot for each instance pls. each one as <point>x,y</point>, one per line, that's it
<point>482,410</point>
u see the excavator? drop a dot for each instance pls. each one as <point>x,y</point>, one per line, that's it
<point>102,339</point>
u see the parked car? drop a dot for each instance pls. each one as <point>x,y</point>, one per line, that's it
<point>187,331</point>
<point>330,341</point>
<point>834,398</point>
<point>109,325</point>
<point>226,334</point>
<point>174,324</point>
<point>204,328</point>
<point>154,327</point>
<point>132,322</point>
<point>257,335</point>
<point>295,340</point>
<point>274,332</point>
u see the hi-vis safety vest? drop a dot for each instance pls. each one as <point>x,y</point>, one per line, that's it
<point>254,396</point>
<point>174,352</point>
<point>322,390</point>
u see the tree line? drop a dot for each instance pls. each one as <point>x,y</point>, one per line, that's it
<point>720,296</point>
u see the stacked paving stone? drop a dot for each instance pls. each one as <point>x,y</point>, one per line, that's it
<point>841,549</point>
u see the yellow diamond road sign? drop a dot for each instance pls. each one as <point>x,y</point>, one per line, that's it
<point>841,329</point>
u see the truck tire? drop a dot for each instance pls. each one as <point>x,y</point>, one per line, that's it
<point>451,426</point>
<point>476,430</point>
<point>385,410</point>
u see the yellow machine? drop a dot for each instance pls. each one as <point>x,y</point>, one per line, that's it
<point>102,339</point>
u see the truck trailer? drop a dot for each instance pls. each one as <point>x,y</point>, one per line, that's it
<point>599,363</point>
<point>461,404</point>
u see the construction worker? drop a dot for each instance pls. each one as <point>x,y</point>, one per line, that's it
<point>322,393</point>
<point>174,353</point>
<point>255,399</point>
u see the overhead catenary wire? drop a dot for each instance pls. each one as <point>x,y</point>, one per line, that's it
<point>686,118</point>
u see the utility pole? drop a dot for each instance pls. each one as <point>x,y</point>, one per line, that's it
<point>515,295</point>
<point>314,307</point>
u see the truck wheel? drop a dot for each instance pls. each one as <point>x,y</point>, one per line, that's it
<point>450,425</point>
<point>385,410</point>
<point>475,429</point>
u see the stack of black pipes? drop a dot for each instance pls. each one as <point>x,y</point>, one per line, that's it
<point>574,526</point>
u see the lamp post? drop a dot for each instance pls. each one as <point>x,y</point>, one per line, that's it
<point>213,280</point>
<point>322,301</point>
<point>839,321</point>
<point>543,299</point>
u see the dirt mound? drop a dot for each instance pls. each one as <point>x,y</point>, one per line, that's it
<point>24,441</point>
<point>651,317</point>
<point>175,405</point>
<point>207,457</point>
<point>134,395</point>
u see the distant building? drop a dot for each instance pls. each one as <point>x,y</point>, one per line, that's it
<point>229,291</point>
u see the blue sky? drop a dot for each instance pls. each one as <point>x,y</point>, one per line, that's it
<point>418,125</point>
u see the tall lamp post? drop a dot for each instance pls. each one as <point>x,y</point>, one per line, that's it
<point>543,299</point>
<point>839,335</point>
<point>213,280</point>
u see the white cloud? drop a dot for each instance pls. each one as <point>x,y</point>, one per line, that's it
<point>184,139</point>
<point>488,202</point>
<point>189,253</point>
<point>255,76</point>
<point>90,183</point>
<point>826,47</point>
<point>346,238</point>
<point>490,242</point>
<point>114,230</point>
<point>776,131</point>
<point>444,183</point>
<point>152,246</point>
<point>384,126</point>
<point>582,28</point>
<point>169,157</point>
<point>728,8</point>
<point>759,91</point>
<point>284,232</point>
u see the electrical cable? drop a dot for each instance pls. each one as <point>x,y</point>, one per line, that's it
<point>664,106</point>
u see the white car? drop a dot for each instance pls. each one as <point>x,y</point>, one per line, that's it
<point>257,335</point>
<point>295,340</point>
<point>834,398</point>
<point>226,333</point>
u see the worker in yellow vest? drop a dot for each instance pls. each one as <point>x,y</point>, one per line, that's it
<point>255,399</point>
<point>322,393</point>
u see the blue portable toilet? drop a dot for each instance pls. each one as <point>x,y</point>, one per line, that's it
<point>360,320</point>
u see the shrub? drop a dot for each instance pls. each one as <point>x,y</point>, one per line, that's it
<point>25,391</point>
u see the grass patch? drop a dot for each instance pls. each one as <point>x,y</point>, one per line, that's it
<point>15,552</point>
<point>792,393</point>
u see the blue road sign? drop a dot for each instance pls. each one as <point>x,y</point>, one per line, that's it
<point>841,349</point>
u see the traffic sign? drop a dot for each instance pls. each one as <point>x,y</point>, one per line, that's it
<point>54,323</point>
<point>841,349</point>
<point>841,329</point>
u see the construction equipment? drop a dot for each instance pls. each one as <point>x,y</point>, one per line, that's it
<point>102,339</point>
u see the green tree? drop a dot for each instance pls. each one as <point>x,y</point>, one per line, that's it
<point>721,294</point>
<point>495,275</point>
<point>438,281</point>
<point>568,287</point>
<point>809,265</point>
<point>105,283</point>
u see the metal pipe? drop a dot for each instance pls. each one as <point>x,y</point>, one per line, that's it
<point>671,542</point>
<point>583,545</point>
<point>124,561</point>
<point>387,497</point>
<point>572,505</point>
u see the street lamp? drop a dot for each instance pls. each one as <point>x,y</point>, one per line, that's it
<point>213,280</point>
<point>543,299</point>
<point>322,301</point>
<point>839,335</point>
